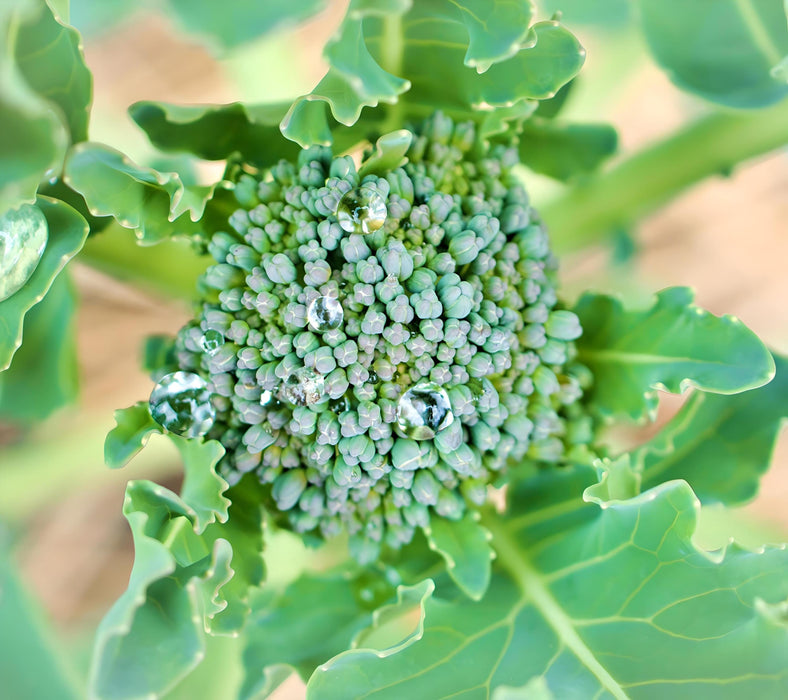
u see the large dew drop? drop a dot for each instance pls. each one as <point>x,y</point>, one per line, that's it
<point>304,387</point>
<point>23,237</point>
<point>325,314</point>
<point>211,341</point>
<point>181,404</point>
<point>361,210</point>
<point>423,411</point>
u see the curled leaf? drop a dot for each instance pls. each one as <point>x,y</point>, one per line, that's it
<point>156,205</point>
<point>67,234</point>
<point>465,546</point>
<point>721,445</point>
<point>672,345</point>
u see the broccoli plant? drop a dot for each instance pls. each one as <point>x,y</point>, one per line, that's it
<point>382,374</point>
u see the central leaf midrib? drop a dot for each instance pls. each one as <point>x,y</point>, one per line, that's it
<point>533,587</point>
<point>635,357</point>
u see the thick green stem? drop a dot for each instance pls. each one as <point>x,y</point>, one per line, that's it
<point>170,268</point>
<point>589,211</point>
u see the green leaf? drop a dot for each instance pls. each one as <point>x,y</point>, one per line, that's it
<point>157,611</point>
<point>722,50</point>
<point>202,487</point>
<point>30,664</point>
<point>564,151</point>
<point>496,30</point>
<point>233,23</point>
<point>618,481</point>
<point>721,445</point>
<point>354,80</point>
<point>672,345</point>
<point>465,546</point>
<point>428,47</point>
<point>43,375</point>
<point>49,55</point>
<point>133,428</point>
<point>67,234</point>
<point>156,205</point>
<point>535,689</point>
<point>244,531</point>
<point>389,153</point>
<point>217,132</point>
<point>313,619</point>
<point>551,108</point>
<point>33,138</point>
<point>197,556</point>
<point>621,606</point>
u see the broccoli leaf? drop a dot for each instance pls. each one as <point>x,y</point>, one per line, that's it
<point>564,151</point>
<point>535,689</point>
<point>156,205</point>
<point>216,132</point>
<point>389,153</point>
<point>672,345</point>
<point>496,30</point>
<point>33,137</point>
<point>354,80</point>
<point>67,234</point>
<point>134,426</point>
<point>49,55</point>
<point>622,605</point>
<point>465,546</point>
<point>297,629</point>
<point>195,563</point>
<point>231,24</point>
<point>725,51</point>
<point>43,374</point>
<point>721,445</point>
<point>425,50</point>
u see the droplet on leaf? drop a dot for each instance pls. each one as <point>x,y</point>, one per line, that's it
<point>211,341</point>
<point>325,314</point>
<point>304,387</point>
<point>361,210</point>
<point>423,411</point>
<point>181,404</point>
<point>23,237</point>
<point>266,397</point>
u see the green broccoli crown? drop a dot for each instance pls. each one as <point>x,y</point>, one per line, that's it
<point>380,348</point>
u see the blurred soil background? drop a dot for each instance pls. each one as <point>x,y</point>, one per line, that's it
<point>726,237</point>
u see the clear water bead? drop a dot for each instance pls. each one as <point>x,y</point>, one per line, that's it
<point>23,237</point>
<point>361,210</point>
<point>339,405</point>
<point>423,411</point>
<point>304,387</point>
<point>211,341</point>
<point>325,314</point>
<point>266,397</point>
<point>181,404</point>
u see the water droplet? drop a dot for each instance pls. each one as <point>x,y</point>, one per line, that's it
<point>304,387</point>
<point>211,341</point>
<point>266,397</point>
<point>325,314</point>
<point>23,237</point>
<point>361,210</point>
<point>181,404</point>
<point>339,405</point>
<point>423,411</point>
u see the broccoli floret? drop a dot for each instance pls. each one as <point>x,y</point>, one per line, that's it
<point>381,348</point>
